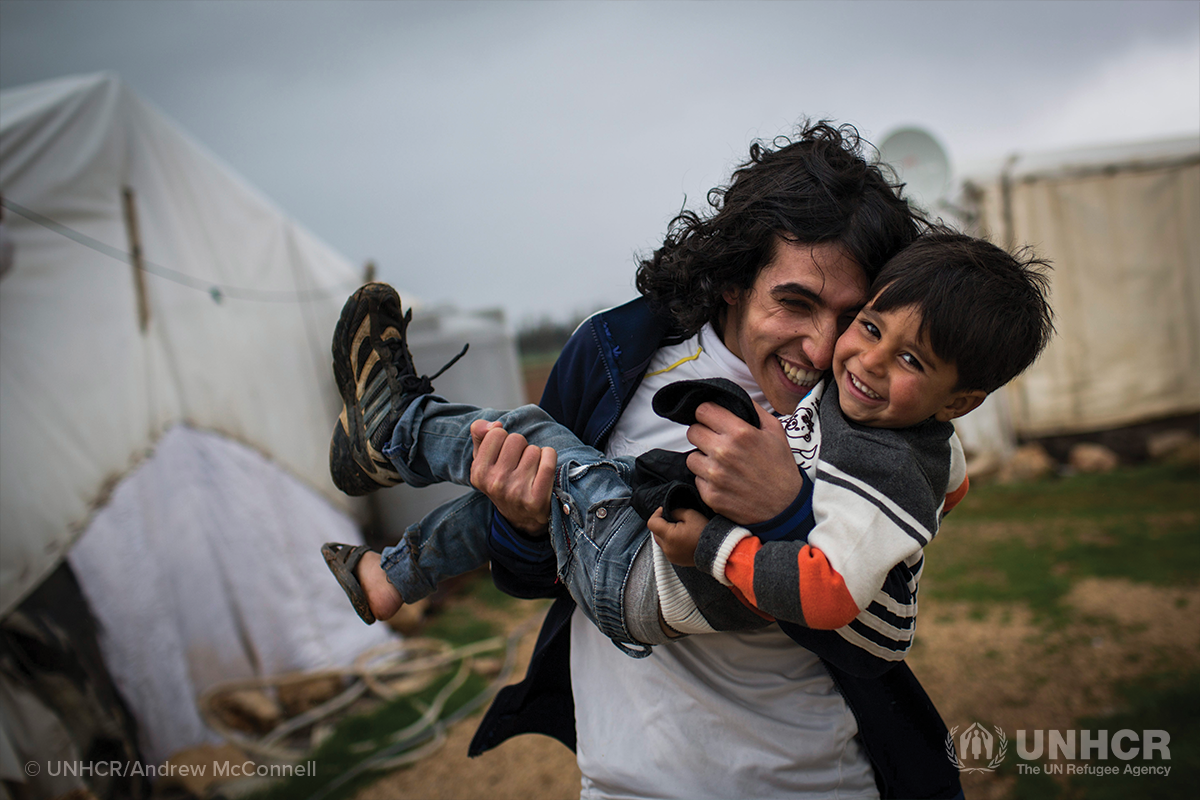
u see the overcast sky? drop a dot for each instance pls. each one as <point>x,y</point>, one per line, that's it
<point>521,154</point>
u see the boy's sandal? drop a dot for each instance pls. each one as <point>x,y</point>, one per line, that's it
<point>341,560</point>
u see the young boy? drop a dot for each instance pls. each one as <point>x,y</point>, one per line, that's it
<point>953,318</point>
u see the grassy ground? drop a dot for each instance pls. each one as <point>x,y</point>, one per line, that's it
<point>1137,524</point>
<point>1062,605</point>
<point>1070,605</point>
<point>359,737</point>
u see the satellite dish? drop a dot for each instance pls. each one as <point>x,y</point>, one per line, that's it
<point>921,164</point>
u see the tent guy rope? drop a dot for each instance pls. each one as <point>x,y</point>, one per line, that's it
<point>216,291</point>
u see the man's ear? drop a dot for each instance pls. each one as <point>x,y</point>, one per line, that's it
<point>961,403</point>
<point>731,296</point>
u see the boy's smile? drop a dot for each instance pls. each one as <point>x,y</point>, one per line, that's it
<point>889,377</point>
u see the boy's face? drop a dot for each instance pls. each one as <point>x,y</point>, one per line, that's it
<point>784,327</point>
<point>889,377</point>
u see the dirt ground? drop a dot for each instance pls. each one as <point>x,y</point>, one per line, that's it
<point>523,768</point>
<point>1004,670</point>
<point>1000,669</point>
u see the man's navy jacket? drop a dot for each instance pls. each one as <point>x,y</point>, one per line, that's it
<point>595,376</point>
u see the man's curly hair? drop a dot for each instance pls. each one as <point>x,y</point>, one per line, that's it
<point>813,187</point>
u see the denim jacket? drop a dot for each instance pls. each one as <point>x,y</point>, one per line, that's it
<point>595,376</point>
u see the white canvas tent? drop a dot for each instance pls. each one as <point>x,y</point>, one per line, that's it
<point>1121,225</point>
<point>173,419</point>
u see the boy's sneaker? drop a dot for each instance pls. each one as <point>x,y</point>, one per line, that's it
<point>377,380</point>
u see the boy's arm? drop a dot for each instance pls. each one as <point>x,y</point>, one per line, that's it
<point>790,580</point>
<point>958,482</point>
<point>830,576</point>
<point>798,583</point>
<point>832,561</point>
<point>871,643</point>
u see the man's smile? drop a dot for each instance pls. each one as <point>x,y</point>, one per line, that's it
<point>803,378</point>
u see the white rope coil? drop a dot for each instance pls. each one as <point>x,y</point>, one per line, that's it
<point>379,671</point>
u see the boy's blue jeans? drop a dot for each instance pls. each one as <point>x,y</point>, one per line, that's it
<point>594,530</point>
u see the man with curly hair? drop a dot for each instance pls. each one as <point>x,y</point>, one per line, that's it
<point>760,288</point>
<point>756,292</point>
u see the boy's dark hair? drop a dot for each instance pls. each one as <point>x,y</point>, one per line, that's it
<point>814,187</point>
<point>982,309</point>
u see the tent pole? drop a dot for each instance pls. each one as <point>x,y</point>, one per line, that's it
<point>135,257</point>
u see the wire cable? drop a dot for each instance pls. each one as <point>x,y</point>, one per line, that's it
<point>215,290</point>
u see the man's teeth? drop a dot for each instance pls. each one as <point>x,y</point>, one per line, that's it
<point>862,388</point>
<point>800,377</point>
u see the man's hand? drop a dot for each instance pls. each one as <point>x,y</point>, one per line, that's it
<point>515,475</point>
<point>744,473</point>
<point>678,539</point>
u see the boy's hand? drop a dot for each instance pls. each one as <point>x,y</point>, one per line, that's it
<point>744,473</point>
<point>515,475</point>
<point>678,540</point>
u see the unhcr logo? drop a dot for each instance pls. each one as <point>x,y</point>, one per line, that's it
<point>978,750</point>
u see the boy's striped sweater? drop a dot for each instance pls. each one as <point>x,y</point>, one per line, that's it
<point>873,499</point>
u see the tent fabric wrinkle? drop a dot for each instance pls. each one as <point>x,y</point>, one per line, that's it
<point>83,391</point>
<point>181,466</point>
<point>204,567</point>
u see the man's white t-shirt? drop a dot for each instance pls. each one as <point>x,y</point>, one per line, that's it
<point>719,715</point>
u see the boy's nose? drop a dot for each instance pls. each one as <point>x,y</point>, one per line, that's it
<point>872,360</point>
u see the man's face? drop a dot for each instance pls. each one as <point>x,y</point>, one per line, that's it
<point>785,326</point>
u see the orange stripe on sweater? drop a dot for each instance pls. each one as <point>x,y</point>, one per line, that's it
<point>824,599</point>
<point>739,569</point>
<point>953,498</point>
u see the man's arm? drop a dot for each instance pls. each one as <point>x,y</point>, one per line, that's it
<point>523,561</point>
<point>522,566</point>
<point>517,477</point>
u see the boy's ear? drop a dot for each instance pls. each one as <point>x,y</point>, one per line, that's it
<point>961,403</point>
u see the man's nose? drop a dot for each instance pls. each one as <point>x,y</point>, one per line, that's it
<point>818,346</point>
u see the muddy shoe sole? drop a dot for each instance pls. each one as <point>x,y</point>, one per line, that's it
<point>368,342</point>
